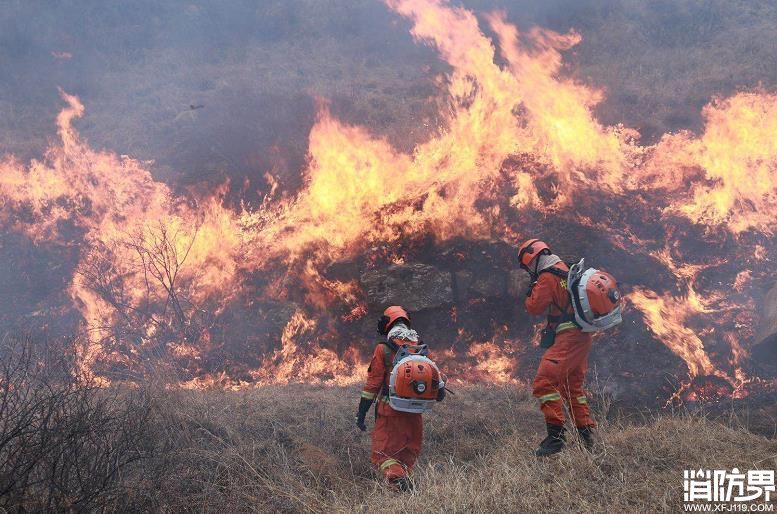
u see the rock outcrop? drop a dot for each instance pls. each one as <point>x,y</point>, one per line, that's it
<point>414,286</point>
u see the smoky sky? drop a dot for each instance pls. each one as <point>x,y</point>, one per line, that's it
<point>215,90</point>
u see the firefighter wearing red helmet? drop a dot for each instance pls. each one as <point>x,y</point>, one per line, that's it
<point>398,434</point>
<point>561,372</point>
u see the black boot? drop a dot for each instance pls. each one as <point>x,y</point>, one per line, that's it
<point>553,443</point>
<point>404,484</point>
<point>587,437</point>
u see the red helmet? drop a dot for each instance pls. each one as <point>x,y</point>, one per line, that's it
<point>602,292</point>
<point>529,250</point>
<point>390,316</point>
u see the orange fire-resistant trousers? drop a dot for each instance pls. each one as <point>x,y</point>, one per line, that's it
<point>396,441</point>
<point>560,378</point>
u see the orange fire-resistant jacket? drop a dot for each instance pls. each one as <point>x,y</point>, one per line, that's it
<point>378,378</point>
<point>561,372</point>
<point>550,295</point>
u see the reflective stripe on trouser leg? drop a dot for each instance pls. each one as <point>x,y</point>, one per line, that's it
<point>396,442</point>
<point>393,469</point>
<point>552,408</point>
<point>549,397</point>
<point>387,463</point>
<point>580,412</point>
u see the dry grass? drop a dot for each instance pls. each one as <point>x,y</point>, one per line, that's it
<point>294,449</point>
<point>66,445</point>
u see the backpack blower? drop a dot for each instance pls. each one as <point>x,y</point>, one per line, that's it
<point>415,380</point>
<point>596,299</point>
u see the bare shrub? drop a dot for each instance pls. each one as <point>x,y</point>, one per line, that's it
<point>68,446</point>
<point>64,442</point>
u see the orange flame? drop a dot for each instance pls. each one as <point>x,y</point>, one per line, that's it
<point>143,244</point>
<point>667,318</point>
<point>738,155</point>
<point>316,364</point>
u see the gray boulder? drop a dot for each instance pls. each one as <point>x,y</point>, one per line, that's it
<point>414,286</point>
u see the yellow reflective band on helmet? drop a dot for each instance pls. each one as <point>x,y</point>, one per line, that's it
<point>367,395</point>
<point>564,326</point>
<point>582,400</point>
<point>387,463</point>
<point>549,397</point>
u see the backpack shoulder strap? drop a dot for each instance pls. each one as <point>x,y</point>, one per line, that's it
<point>388,361</point>
<point>556,271</point>
<point>568,313</point>
<point>387,357</point>
<point>389,347</point>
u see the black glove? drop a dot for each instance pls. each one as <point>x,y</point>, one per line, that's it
<point>440,394</point>
<point>364,406</point>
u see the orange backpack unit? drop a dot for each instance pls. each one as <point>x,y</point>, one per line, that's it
<point>415,380</point>
<point>594,295</point>
<point>595,298</point>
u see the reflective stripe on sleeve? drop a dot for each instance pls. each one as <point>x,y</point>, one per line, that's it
<point>582,400</point>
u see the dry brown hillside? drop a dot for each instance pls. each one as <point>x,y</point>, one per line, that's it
<point>67,445</point>
<point>295,449</point>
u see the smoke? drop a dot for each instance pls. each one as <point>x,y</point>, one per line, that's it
<point>204,90</point>
<point>256,65</point>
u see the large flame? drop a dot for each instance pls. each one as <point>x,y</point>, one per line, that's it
<point>153,261</point>
<point>148,256</point>
<point>738,156</point>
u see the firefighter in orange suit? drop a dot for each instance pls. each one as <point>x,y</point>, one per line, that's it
<point>397,437</point>
<point>562,369</point>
